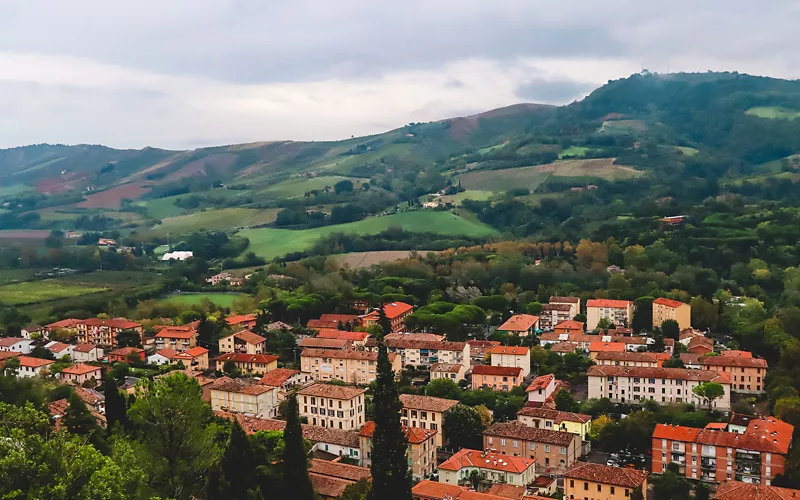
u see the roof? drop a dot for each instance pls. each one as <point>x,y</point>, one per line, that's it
<point>393,309</point>
<point>667,373</point>
<point>119,323</point>
<point>80,369</point>
<point>493,461</point>
<point>415,435</point>
<point>618,304</point>
<point>327,486</point>
<point>519,323</point>
<point>279,325</point>
<point>338,469</point>
<point>500,371</point>
<point>541,382</point>
<point>644,357</point>
<point>599,346</point>
<point>414,343</point>
<point>700,345</point>
<point>426,403</point>
<point>56,347</point>
<point>319,323</point>
<point>343,354</point>
<point>482,343</point>
<point>277,377</point>
<point>770,428</point>
<point>247,358</point>
<point>176,332</point>
<point>243,318</point>
<point>719,426</point>
<point>761,439</point>
<point>554,415</point>
<point>517,430</point>
<point>507,491</point>
<point>327,343</point>
<point>168,352</point>
<point>669,302</point>
<point>31,362</point>
<point>329,333</point>
<point>331,391</point>
<point>9,341</point>
<point>226,384</point>
<point>500,349</point>
<point>563,347</point>
<point>570,324</point>
<point>84,348</point>
<point>736,490</point>
<point>435,490</point>
<point>738,354</point>
<point>344,318</point>
<point>196,351</point>
<point>89,396</point>
<point>249,337</point>
<point>414,336</point>
<point>329,435</point>
<point>599,473</point>
<point>567,300</point>
<point>733,361</point>
<point>124,351</point>
<point>446,367</point>
<point>64,323</point>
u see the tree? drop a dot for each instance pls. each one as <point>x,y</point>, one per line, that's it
<point>709,392</point>
<point>129,338</point>
<point>671,486</point>
<point>443,388</point>
<point>391,477</point>
<point>356,491</point>
<point>643,314</point>
<point>116,405</point>
<point>42,352</point>
<point>701,492</point>
<point>565,401</point>
<point>670,329</point>
<point>674,363</point>
<point>705,315</point>
<point>295,460</point>
<point>343,186</point>
<point>597,426</point>
<point>235,476</point>
<point>231,369</point>
<point>604,324</point>
<point>636,494</point>
<point>77,418</point>
<point>384,322</point>
<point>485,414</point>
<point>463,427</point>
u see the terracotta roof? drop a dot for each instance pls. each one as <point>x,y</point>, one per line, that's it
<point>57,347</point>
<point>617,304</point>
<point>318,323</point>
<point>340,437</point>
<point>339,470</point>
<point>507,491</point>
<point>737,354</point>
<point>770,428</point>
<point>556,307</point>
<point>277,377</point>
<point>668,373</point>
<point>168,353</point>
<point>328,333</point>
<point>517,351</point>
<point>393,309</point>
<point>718,426</point>
<point>328,487</point>
<point>599,473</point>
<point>411,343</point>
<point>414,336</point>
<point>344,318</point>
<point>343,354</point>
<point>736,490</point>
<point>519,323</point>
<point>84,348</point>
<point>237,386</point>
<point>331,391</point>
<point>9,341</point>
<point>482,343</point>
<point>563,347</point>
<point>567,300</point>
<point>570,324</point>
<point>434,490</point>
<point>676,433</point>
<point>415,435</point>
<point>700,345</point>
<point>4,355</point>
<point>64,323</point>
<point>426,403</point>
<point>554,415</point>
<point>492,461</point>
<point>31,362</point>
<point>237,320</point>
<point>518,430</point>
<point>279,325</point>
<point>251,425</point>
<point>124,351</point>
<point>541,382</point>
<point>90,397</point>
<point>750,440</point>
<point>669,302</point>
<point>500,371</point>
<point>80,369</point>
<point>119,323</point>
<point>733,361</point>
<point>327,343</point>
<point>247,358</point>
<point>196,351</point>
<point>176,332</point>
<point>644,357</point>
<point>598,346</point>
<point>249,337</point>
<point>446,367</point>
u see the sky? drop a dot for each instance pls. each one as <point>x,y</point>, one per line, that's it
<point>181,74</point>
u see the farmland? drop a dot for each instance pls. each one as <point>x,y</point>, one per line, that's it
<point>457,199</point>
<point>23,235</point>
<point>773,112</point>
<point>687,150</point>
<point>192,299</point>
<point>623,127</point>
<point>357,260</point>
<point>573,151</point>
<point>293,188</point>
<point>112,198</point>
<point>212,220</point>
<point>30,292</point>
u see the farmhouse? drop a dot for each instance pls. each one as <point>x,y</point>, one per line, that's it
<point>228,278</point>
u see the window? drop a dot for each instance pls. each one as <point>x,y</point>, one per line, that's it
<point>586,486</point>
<point>571,483</point>
<point>612,490</point>
<point>627,492</point>
<point>516,444</point>
<point>547,448</point>
<point>502,441</point>
<point>599,488</point>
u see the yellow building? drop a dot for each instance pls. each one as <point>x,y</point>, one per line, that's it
<point>352,367</point>
<point>249,363</point>
<point>333,406</point>
<point>601,482</point>
<point>664,309</point>
<point>617,312</point>
<point>421,451</point>
<point>244,342</point>
<point>564,421</point>
<point>426,412</point>
<point>450,371</point>
<point>235,396</point>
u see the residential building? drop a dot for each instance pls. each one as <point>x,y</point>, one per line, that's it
<point>80,373</point>
<point>584,341</point>
<point>83,353</point>
<point>330,479</point>
<point>352,367</point>
<point>16,344</point>
<point>601,482</point>
<point>627,358</point>
<point>756,456</point>
<point>335,406</point>
<point>57,409</point>
<point>737,490</point>
<point>477,348</point>
<point>745,372</point>
<point>195,358</point>
<point>32,329</point>
<point>420,454</point>
<point>356,338</point>
<point>227,278</point>
<point>5,356</point>
<point>180,338</point>
<point>426,412</point>
<point>520,324</point>
<point>569,326</point>
<point>31,367</point>
<point>60,349</point>
<point>699,345</point>
<point>125,354</point>
<point>542,390</point>
<point>599,346</point>
<point>664,309</point>
<point>573,302</point>
<point>285,380</point>
<point>243,342</point>
<point>335,322</point>
<point>514,357</point>
<point>259,364</point>
<point>623,384</point>
<point>553,451</point>
<point>452,371</point>
<point>562,421</point>
<point>236,396</point>
<point>419,352</point>
<point>242,321</point>
<point>318,343</point>
<point>103,332</point>
<point>161,357</point>
<point>562,348</point>
<point>434,490</point>
<point>553,314</point>
<point>499,378</point>
<point>617,312</point>
<point>396,313</point>
<point>491,467</point>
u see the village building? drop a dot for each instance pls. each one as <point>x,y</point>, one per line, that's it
<point>330,479</point>
<point>553,451</point>
<point>83,353</point>
<point>617,312</point>
<point>318,343</point>
<point>241,322</point>
<point>334,406</point>
<point>553,314</point>
<point>334,322</point>
<point>355,338</point>
<point>492,468</point>
<point>180,338</point>
<point>225,278</point>
<point>420,454</point>
<point>478,348</point>
<point>664,309</point>
<point>596,347</point>
<point>555,420</point>
<point>396,313</point>
<point>746,373</point>
<point>628,358</point>
<point>451,371</point>
<point>520,324</point>
<point>60,349</point>
<point>126,354</point>
<point>569,326</point>
<point>236,396</point>
<point>542,391</point>
<point>243,342</point>
<point>351,367</point>
<point>602,482</point>
<point>573,302</point>
<point>30,367</point>
<point>426,412</point>
<point>514,357</point>
<point>258,364</point>
<point>16,344</point>
<point>285,379</point>
<point>33,329</point>
<point>81,373</point>
<point>418,352</point>
<point>499,378</point>
<point>103,332</point>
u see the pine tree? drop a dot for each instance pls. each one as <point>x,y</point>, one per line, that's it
<point>116,407</point>
<point>295,462</point>
<point>391,478</point>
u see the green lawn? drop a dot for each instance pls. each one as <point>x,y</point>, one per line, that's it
<point>270,243</point>
<point>15,275</point>
<point>14,189</point>
<point>192,299</point>
<point>574,151</point>
<point>31,292</point>
<point>773,112</point>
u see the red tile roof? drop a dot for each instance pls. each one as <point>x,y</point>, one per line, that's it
<point>247,358</point>
<point>318,323</point>
<point>314,342</point>
<point>504,371</point>
<point>395,309</point>
<point>599,473</point>
<point>733,361</point>
<point>339,470</point>
<point>446,367</point>
<point>567,300</point>
<point>517,430</point>
<point>415,435</point>
<point>249,337</point>
<point>554,415</point>
<point>599,346</point>
<point>328,333</point>
<point>426,403</point>
<point>57,347</point>
<point>434,490</point>
<point>331,391</point>
<point>482,343</point>
<point>500,349</point>
<point>118,323</point>
<point>541,382</point>
<point>196,351</point>
<point>64,323</point>
<point>519,323</point>
<point>648,372</point>
<point>84,348</point>
<point>124,351</point>
<point>570,324</point>
<point>344,354</point>
<point>669,302</point>
<point>343,318</point>
<point>491,461</point>
<point>641,357</point>
<point>617,304</point>
<point>328,487</point>
<point>226,384</point>
<point>80,369</point>
<point>761,439</point>
<point>176,332</point>
<point>31,362</point>
<point>237,320</point>
<point>736,490</point>
<point>277,377</point>
<point>563,347</point>
<point>9,341</point>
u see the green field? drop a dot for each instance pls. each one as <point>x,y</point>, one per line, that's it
<point>773,112</point>
<point>212,220</point>
<point>623,127</point>
<point>456,199</point>
<point>293,188</point>
<point>574,151</point>
<point>15,275</point>
<point>483,151</point>
<point>192,299</point>
<point>270,243</point>
<point>14,189</point>
<point>687,150</point>
<point>31,292</point>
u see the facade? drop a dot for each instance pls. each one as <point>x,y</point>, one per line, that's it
<point>60,349</point>
<point>351,367</point>
<point>520,324</point>
<point>618,312</point>
<point>103,332</point>
<point>514,357</point>
<point>584,341</point>
<point>562,421</point>
<point>569,326</point>
<point>553,314</point>
<point>426,412</point>
<point>420,454</point>
<point>601,482</point>
<point>123,354</point>
<point>746,372</point>
<point>598,347</point>
<point>478,348</point>
<point>663,385</point>
<point>243,342</point>
<point>285,380</point>
<point>499,378</point>
<point>710,455</point>
<point>80,373</point>
<point>318,343</point>
<point>627,358</point>
<point>180,338</point>
<point>16,344</point>
<point>195,358</point>
<point>573,302</point>
<point>454,372</point>
<point>355,338</point>
<point>396,313</point>
<point>333,406</point>
<point>241,322</point>
<point>491,467</point>
<point>83,353</point>
<point>31,367</point>
<point>420,352</point>
<point>259,364</point>
<point>542,389</point>
<point>235,396</point>
<point>553,451</point>
<point>664,309</point>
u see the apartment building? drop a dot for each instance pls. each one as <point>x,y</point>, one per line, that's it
<point>584,341</point>
<point>237,396</point>
<point>103,332</point>
<point>553,314</point>
<point>746,372</point>
<point>499,378</point>
<point>514,357</point>
<point>479,348</point>
<point>573,302</point>
<point>420,454</point>
<point>396,313</point>
<point>627,358</point>
<point>241,322</point>
<point>711,455</point>
<point>451,371</point>
<point>426,412</point>
<point>520,324</point>
<point>243,342</point>
<point>553,451</point>
<point>663,385</point>
<point>352,367</point>
<point>664,309</point>
<point>333,406</point>
<point>259,364</point>
<point>420,352</point>
<point>179,338</point>
<point>491,467</point>
<point>356,338</point>
<point>601,482</point>
<point>81,373</point>
<point>555,420</point>
<point>569,326</point>
<point>617,312</point>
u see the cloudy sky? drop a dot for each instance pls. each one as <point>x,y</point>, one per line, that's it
<point>188,73</point>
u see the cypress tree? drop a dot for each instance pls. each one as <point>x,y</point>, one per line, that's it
<point>78,419</point>
<point>295,461</point>
<point>235,475</point>
<point>391,478</point>
<point>116,407</point>
<point>383,321</point>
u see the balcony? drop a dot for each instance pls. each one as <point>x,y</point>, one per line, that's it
<point>708,463</point>
<point>678,458</point>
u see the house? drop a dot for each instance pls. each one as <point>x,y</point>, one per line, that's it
<point>617,312</point>
<point>573,302</point>
<point>396,313</point>
<point>177,256</point>
<point>555,420</point>
<point>569,326</point>
<point>94,401</point>
<point>553,314</point>
<point>5,356</point>
<point>225,277</point>
<point>553,451</point>
<point>106,242</point>
<point>349,366</point>
<point>195,358</point>
<point>285,379</point>
<point>664,309</point>
<point>710,455</point>
<point>700,345</point>
<point>746,372</point>
<point>60,349</point>
<point>33,329</point>
<point>420,454</point>
<point>318,343</point>
<point>31,367</point>
<point>335,322</point>
<point>520,324</point>
<point>83,353</point>
<point>16,344</point>
<point>330,479</point>
<point>180,338</point>
<point>452,371</point>
<point>492,468</point>
<point>162,357</point>
<point>542,390</point>
<point>602,482</point>
<point>599,346</point>
<point>499,378</point>
<point>237,396</point>
<point>126,353</point>
<point>584,341</point>
<point>737,490</point>
<point>426,412</point>
<point>81,373</point>
<point>514,357</point>
<point>241,322</point>
<point>623,384</point>
<point>279,325</point>
<point>627,358</point>
<point>334,406</point>
<point>562,348</point>
<point>259,364</point>
<point>415,350</point>
<point>356,338</point>
<point>434,490</point>
<point>243,342</point>
<point>103,332</point>
<point>477,348</point>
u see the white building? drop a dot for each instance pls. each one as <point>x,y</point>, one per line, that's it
<point>31,367</point>
<point>16,344</point>
<point>83,353</point>
<point>513,357</point>
<point>177,256</point>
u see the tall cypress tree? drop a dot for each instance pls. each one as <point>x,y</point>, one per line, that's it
<point>235,475</point>
<point>295,461</point>
<point>391,477</point>
<point>116,407</point>
<point>384,322</point>
<point>78,419</point>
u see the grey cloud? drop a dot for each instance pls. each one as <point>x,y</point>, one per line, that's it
<point>546,91</point>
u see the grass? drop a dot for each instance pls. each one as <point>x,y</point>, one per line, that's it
<point>193,299</point>
<point>14,189</point>
<point>489,149</point>
<point>111,279</point>
<point>686,150</point>
<point>293,188</point>
<point>773,112</point>
<point>270,243</point>
<point>8,276</point>
<point>574,151</point>
<point>30,292</point>
<point>623,127</point>
<point>212,220</point>
<point>456,199</point>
